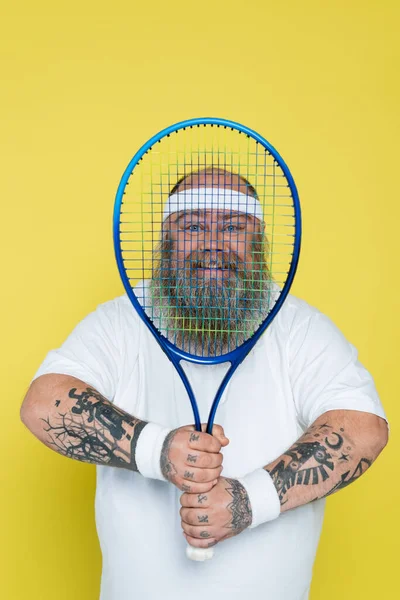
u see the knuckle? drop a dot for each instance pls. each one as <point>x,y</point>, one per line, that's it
<point>206,487</point>
<point>183,485</point>
<point>185,527</point>
<point>188,529</point>
<point>194,437</point>
<point>206,460</point>
<point>215,445</point>
<point>191,517</point>
<point>200,488</point>
<point>207,543</point>
<point>202,476</point>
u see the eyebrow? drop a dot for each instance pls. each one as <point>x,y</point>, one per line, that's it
<point>224,217</point>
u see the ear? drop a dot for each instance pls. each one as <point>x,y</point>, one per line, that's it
<point>259,226</point>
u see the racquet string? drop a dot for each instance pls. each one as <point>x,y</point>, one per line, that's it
<point>207,278</point>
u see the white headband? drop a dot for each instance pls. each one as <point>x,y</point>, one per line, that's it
<point>217,198</point>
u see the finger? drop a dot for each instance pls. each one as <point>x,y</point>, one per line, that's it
<point>204,442</point>
<point>204,460</point>
<point>200,533</point>
<point>193,516</point>
<point>196,543</point>
<point>191,487</point>
<point>218,432</point>
<point>201,475</point>
<point>188,428</point>
<point>195,500</point>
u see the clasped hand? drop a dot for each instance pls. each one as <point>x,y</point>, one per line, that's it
<point>191,459</point>
<point>214,508</point>
<point>222,513</point>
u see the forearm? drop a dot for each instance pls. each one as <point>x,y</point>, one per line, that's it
<point>335,451</point>
<point>332,453</point>
<point>76,421</point>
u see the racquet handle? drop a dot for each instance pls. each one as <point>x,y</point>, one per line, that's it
<point>199,554</point>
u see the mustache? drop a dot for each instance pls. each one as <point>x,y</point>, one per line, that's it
<point>206,259</point>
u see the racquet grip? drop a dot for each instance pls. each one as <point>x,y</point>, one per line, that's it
<point>199,554</point>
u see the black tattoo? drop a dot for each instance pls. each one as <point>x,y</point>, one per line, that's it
<point>185,488</point>
<point>299,470</point>
<point>192,458</point>
<point>287,474</point>
<point>210,544</point>
<point>203,518</point>
<point>239,507</point>
<point>194,437</point>
<point>339,442</point>
<point>201,498</point>
<point>92,429</point>
<point>344,457</point>
<point>57,402</point>
<point>188,475</point>
<point>167,467</point>
<point>105,414</point>
<point>347,478</point>
<point>204,534</point>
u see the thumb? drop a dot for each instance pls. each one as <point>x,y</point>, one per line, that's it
<point>218,432</point>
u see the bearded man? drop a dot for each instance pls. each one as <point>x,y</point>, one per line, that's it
<point>303,417</point>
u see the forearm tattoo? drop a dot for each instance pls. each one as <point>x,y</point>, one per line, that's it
<point>239,507</point>
<point>94,431</point>
<point>324,457</point>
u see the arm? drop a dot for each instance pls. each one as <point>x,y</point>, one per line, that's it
<point>76,421</point>
<point>334,451</point>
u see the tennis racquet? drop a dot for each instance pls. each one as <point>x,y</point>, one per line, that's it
<point>207,231</point>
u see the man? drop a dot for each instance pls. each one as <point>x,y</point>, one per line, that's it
<point>303,419</point>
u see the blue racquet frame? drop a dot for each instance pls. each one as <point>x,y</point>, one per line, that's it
<point>235,357</point>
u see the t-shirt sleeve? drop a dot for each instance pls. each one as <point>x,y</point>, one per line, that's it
<point>90,352</point>
<point>326,374</point>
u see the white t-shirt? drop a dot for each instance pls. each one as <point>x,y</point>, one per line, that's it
<point>301,367</point>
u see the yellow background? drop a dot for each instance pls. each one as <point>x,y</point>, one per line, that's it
<point>83,84</point>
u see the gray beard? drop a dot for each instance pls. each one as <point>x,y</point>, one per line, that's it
<point>208,316</point>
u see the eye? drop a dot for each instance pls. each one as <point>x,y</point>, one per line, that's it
<point>231,228</point>
<point>195,227</point>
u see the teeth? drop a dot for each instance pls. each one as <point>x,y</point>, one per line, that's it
<point>211,267</point>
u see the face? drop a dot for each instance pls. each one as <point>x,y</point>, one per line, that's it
<point>214,243</point>
<point>210,280</point>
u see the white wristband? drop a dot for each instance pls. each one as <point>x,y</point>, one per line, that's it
<point>148,450</point>
<point>264,499</point>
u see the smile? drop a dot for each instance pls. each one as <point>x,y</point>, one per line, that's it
<point>212,271</point>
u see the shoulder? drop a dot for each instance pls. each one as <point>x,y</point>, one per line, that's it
<point>116,307</point>
<point>296,313</point>
<point>299,321</point>
<point>116,315</point>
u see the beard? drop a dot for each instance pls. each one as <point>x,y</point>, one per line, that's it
<point>211,302</point>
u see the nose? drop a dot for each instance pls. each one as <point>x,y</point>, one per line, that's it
<point>213,241</point>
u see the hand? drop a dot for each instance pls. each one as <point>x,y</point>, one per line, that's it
<point>191,459</point>
<point>222,513</point>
